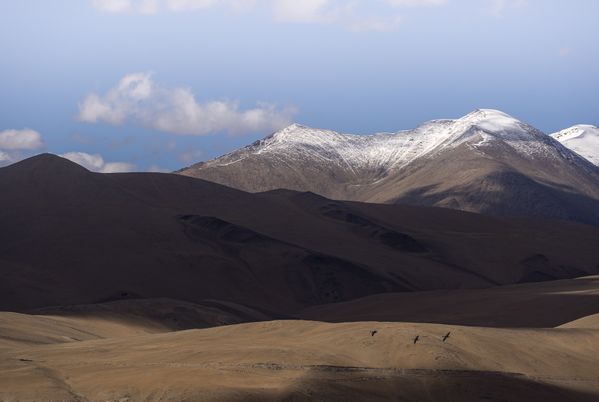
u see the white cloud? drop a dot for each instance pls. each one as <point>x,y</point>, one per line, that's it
<point>119,102</point>
<point>136,98</point>
<point>118,167</point>
<point>96,163</point>
<point>20,139</point>
<point>113,6</point>
<point>156,6</point>
<point>128,6</point>
<point>356,15</point>
<point>16,144</point>
<point>186,5</point>
<point>5,158</point>
<point>305,11</point>
<point>416,3</point>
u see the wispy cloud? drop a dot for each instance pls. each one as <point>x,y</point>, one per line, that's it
<point>127,6</point>
<point>156,6</point>
<point>355,15</point>
<point>416,3</point>
<point>96,163</point>
<point>498,8</point>
<point>139,100</point>
<point>305,11</point>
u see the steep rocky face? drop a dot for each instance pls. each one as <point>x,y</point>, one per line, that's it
<point>582,139</point>
<point>486,161</point>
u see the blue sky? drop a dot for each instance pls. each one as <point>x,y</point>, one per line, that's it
<point>160,84</point>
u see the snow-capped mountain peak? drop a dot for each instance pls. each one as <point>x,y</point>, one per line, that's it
<point>582,139</point>
<point>492,120</point>
<point>482,130</point>
<point>494,124</point>
<point>489,120</point>
<point>486,161</point>
<point>299,133</point>
<point>579,130</point>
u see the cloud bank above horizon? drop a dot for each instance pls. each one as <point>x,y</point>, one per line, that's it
<point>138,99</point>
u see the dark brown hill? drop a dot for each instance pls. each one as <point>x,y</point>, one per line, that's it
<point>70,236</point>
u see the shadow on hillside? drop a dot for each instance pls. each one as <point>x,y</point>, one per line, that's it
<point>346,384</point>
<point>526,198</point>
<point>480,308</point>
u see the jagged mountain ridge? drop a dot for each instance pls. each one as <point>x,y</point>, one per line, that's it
<point>486,161</point>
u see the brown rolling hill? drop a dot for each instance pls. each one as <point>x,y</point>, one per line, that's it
<point>307,360</point>
<point>134,349</point>
<point>75,237</point>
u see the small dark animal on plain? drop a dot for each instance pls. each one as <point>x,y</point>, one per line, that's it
<point>446,336</point>
<point>373,333</point>
<point>416,339</point>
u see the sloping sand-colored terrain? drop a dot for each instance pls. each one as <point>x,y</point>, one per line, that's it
<point>131,350</point>
<point>305,360</point>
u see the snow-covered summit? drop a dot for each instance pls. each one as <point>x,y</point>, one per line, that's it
<point>577,131</point>
<point>486,132</point>
<point>497,122</point>
<point>486,161</point>
<point>479,130</point>
<point>582,139</point>
<point>492,120</point>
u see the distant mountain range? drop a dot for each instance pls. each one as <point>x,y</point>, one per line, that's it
<point>486,162</point>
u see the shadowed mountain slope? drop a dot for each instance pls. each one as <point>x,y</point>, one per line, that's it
<point>70,236</point>
<point>530,305</point>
